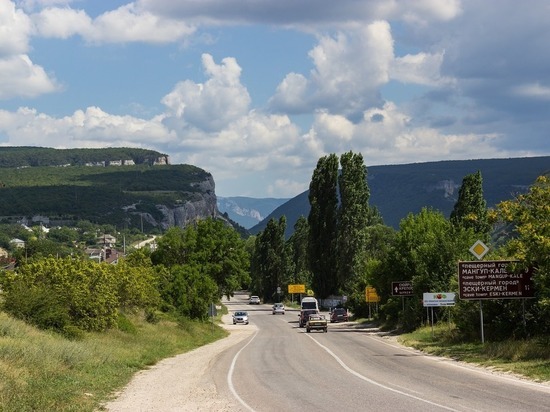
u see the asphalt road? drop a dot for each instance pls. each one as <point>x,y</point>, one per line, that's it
<point>283,368</point>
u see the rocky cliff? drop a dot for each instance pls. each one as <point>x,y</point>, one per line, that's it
<point>201,205</point>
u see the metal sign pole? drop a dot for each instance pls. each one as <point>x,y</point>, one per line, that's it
<point>481,319</point>
<point>432,311</point>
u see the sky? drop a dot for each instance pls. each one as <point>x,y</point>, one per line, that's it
<point>256,91</point>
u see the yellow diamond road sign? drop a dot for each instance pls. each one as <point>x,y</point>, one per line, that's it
<point>479,249</point>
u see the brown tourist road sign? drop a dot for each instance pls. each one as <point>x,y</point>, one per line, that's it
<point>402,288</point>
<point>493,280</point>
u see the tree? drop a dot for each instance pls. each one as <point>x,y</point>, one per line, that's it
<point>353,215</point>
<point>191,291</point>
<point>425,252</point>
<point>470,210</point>
<point>213,247</point>
<point>323,224</point>
<point>530,213</point>
<point>270,263</point>
<point>298,243</point>
<point>174,248</point>
<point>220,252</point>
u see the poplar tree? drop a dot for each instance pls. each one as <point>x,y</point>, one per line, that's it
<point>470,210</point>
<point>353,214</point>
<point>298,244</point>
<point>322,220</point>
<point>270,263</point>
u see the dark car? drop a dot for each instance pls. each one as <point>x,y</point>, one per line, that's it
<point>339,315</point>
<point>304,316</point>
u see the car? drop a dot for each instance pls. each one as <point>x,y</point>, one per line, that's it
<point>339,315</point>
<point>254,300</point>
<point>240,316</point>
<point>278,308</point>
<point>304,316</point>
<point>317,322</point>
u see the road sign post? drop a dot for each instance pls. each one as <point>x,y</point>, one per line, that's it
<point>493,279</point>
<point>402,288</point>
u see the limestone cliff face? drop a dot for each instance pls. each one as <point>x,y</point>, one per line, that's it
<point>200,205</point>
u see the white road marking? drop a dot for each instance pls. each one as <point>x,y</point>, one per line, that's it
<point>358,375</point>
<point>230,376</point>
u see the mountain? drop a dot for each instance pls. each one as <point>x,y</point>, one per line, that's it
<point>397,190</point>
<point>248,211</point>
<point>131,188</point>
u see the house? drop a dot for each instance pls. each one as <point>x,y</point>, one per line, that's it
<point>107,255</point>
<point>107,241</point>
<point>17,242</point>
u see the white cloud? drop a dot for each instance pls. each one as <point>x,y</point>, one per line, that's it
<point>62,22</point>
<point>19,77</point>
<point>349,69</point>
<point>15,29</point>
<point>423,11</point>
<point>90,128</point>
<point>30,5</point>
<point>127,23</point>
<point>386,136</point>
<point>213,105</point>
<point>422,68</point>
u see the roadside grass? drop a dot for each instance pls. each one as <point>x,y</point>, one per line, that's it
<point>43,371</point>
<point>527,358</point>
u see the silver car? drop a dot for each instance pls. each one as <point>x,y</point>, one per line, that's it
<point>278,308</point>
<point>240,317</point>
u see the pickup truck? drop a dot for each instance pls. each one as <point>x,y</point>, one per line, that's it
<point>317,322</point>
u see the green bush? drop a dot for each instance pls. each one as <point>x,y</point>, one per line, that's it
<point>37,305</point>
<point>53,293</point>
<point>125,325</point>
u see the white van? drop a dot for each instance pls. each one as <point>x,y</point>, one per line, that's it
<point>310,302</point>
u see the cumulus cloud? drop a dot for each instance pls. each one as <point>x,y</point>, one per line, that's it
<point>421,68</point>
<point>128,23</point>
<point>385,136</point>
<point>349,69</point>
<point>62,23</point>
<point>19,77</point>
<point>211,105</point>
<point>15,30</point>
<point>84,128</point>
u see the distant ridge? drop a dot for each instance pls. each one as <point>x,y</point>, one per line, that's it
<point>30,156</point>
<point>248,211</point>
<point>397,190</point>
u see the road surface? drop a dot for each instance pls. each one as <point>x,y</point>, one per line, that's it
<point>273,365</point>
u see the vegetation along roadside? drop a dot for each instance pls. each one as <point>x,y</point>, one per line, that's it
<point>74,327</point>
<point>44,371</point>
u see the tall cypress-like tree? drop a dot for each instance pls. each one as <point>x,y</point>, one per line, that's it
<point>353,214</point>
<point>470,210</point>
<point>322,220</point>
<point>298,244</point>
<point>270,263</point>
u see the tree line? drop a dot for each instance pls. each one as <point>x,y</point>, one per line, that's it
<point>190,269</point>
<point>342,247</point>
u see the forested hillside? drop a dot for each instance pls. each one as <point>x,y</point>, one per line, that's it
<point>21,156</point>
<point>57,185</point>
<point>397,190</point>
